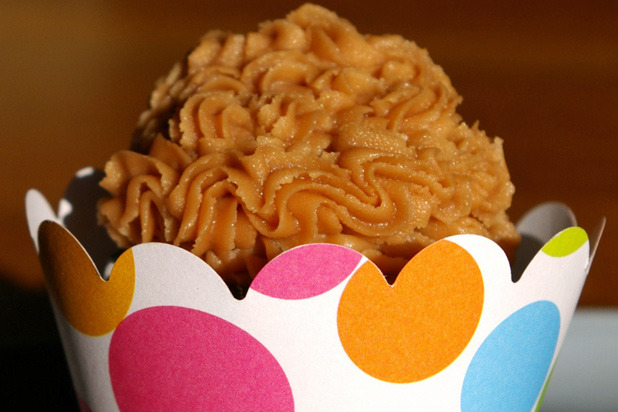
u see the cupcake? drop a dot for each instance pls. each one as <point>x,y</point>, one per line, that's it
<point>324,177</point>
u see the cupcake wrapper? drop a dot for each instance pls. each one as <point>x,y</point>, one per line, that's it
<point>319,329</point>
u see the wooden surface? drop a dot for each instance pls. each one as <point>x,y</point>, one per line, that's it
<point>74,76</point>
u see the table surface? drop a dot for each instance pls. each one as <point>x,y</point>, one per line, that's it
<point>74,77</point>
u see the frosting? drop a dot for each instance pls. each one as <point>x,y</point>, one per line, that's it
<point>305,131</point>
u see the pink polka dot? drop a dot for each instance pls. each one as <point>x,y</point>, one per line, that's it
<point>306,271</point>
<point>174,358</point>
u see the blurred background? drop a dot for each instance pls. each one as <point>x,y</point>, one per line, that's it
<point>75,75</point>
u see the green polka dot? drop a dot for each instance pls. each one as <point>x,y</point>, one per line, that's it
<point>538,406</point>
<point>566,242</point>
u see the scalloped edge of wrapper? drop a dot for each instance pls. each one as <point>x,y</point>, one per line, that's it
<point>319,329</point>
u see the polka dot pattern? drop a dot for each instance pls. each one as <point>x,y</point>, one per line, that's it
<point>420,325</point>
<point>306,271</point>
<point>566,242</point>
<point>91,305</point>
<point>174,358</point>
<point>206,351</point>
<point>180,358</point>
<point>509,369</point>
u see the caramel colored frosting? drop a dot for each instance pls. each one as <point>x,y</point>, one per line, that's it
<point>305,131</point>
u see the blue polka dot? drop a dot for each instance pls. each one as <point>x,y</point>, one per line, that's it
<point>508,371</point>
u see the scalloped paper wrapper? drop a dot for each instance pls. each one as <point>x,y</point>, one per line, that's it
<point>319,329</point>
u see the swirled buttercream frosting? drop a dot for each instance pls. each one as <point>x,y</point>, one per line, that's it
<point>305,131</point>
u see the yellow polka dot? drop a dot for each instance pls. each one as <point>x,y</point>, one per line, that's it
<point>566,242</point>
<point>417,327</point>
<point>90,304</point>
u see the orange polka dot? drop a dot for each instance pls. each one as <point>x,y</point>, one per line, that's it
<point>90,304</point>
<point>417,327</point>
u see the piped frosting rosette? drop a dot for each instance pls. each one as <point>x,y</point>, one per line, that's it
<point>319,329</point>
<point>305,131</point>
